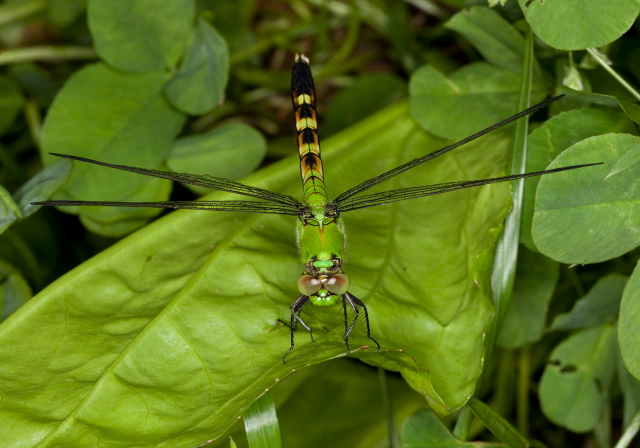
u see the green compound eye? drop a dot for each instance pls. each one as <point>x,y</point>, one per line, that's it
<point>308,285</point>
<point>338,284</point>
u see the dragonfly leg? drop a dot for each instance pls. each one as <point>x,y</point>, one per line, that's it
<point>348,328</point>
<point>295,318</point>
<point>355,303</point>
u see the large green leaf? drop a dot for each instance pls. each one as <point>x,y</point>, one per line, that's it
<point>115,117</point>
<point>141,35</point>
<point>168,336</point>
<point>582,218</point>
<point>578,24</point>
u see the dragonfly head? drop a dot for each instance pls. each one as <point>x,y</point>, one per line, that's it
<point>324,290</point>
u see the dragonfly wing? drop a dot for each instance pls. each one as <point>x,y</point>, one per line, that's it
<point>401,194</point>
<point>415,162</point>
<point>222,206</point>
<point>214,183</point>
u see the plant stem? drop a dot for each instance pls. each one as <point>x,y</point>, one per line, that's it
<point>630,432</point>
<point>46,52</point>
<point>595,54</point>
<point>34,120</point>
<point>18,10</point>
<point>524,374</point>
<point>602,431</point>
<point>386,403</point>
<point>463,424</point>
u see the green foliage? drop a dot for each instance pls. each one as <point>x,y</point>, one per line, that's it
<point>424,430</point>
<point>536,279</point>
<point>261,423</point>
<point>160,319</point>
<point>11,101</point>
<point>575,383</point>
<point>205,63</point>
<point>168,336</point>
<point>579,24</point>
<point>600,305</point>
<point>232,151</point>
<point>488,90</point>
<point>14,290</point>
<point>587,219</point>
<point>630,323</point>
<point>554,136</point>
<point>141,35</point>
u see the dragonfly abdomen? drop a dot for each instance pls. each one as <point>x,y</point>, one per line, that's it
<point>304,107</point>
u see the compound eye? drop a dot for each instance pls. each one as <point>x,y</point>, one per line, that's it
<point>308,285</point>
<point>338,284</point>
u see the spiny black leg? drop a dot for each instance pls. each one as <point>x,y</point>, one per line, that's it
<point>356,313</point>
<point>346,322</point>
<point>355,302</point>
<point>295,318</point>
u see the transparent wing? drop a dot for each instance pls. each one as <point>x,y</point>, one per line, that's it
<point>415,162</point>
<point>401,194</point>
<point>214,183</point>
<point>222,206</point>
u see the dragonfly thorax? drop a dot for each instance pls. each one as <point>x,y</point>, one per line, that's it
<point>322,246</point>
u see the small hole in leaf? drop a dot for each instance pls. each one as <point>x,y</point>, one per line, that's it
<point>555,362</point>
<point>568,369</point>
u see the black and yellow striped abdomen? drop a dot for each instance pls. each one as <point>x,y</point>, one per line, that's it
<point>304,107</point>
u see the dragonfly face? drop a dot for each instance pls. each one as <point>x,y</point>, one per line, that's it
<point>324,290</point>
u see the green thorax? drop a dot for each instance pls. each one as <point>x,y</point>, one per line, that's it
<point>322,247</point>
<point>322,252</point>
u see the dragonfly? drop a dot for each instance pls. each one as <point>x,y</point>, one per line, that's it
<point>320,228</point>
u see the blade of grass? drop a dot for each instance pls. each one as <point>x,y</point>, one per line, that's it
<point>524,383</point>
<point>261,423</point>
<point>506,253</point>
<point>595,54</point>
<point>630,432</point>
<point>500,427</point>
